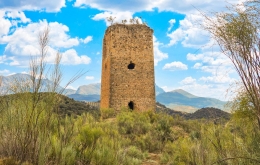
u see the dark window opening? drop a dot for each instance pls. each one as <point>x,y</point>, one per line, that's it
<point>131,65</point>
<point>131,105</point>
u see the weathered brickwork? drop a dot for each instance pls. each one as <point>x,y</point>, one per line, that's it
<point>128,68</point>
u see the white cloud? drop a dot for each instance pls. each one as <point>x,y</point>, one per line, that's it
<point>212,62</point>
<point>17,15</point>
<point>175,36</point>
<point>190,33</point>
<point>158,54</point>
<point>5,24</point>
<point>87,39</point>
<point>176,65</point>
<point>197,65</point>
<point>217,79</point>
<point>46,5</point>
<point>58,36</point>
<point>116,6</point>
<point>188,80</point>
<point>24,41</point>
<point>195,57</point>
<point>71,87</point>
<point>3,58</point>
<point>172,22</point>
<point>89,77</point>
<point>4,72</point>
<point>207,90</point>
<point>70,57</point>
<point>184,6</point>
<point>213,58</point>
<point>165,88</point>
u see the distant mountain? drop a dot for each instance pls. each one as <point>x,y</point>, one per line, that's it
<point>69,92</point>
<point>24,80</point>
<point>184,93</point>
<point>95,89</point>
<point>91,89</point>
<point>181,97</point>
<point>158,90</point>
<point>92,92</point>
<point>8,80</point>
<point>177,99</point>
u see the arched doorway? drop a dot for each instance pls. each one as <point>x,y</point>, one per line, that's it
<point>131,105</point>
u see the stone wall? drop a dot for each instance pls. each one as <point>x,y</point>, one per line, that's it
<point>124,47</point>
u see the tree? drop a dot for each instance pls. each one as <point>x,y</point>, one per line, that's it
<point>237,34</point>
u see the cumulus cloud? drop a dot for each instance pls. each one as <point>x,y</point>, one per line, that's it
<point>197,65</point>
<point>176,65</point>
<point>46,5</point>
<point>217,64</point>
<point>70,57</point>
<point>212,62</point>
<point>218,79</point>
<point>23,43</point>
<point>158,54</point>
<point>3,58</point>
<point>172,22</point>
<point>5,24</point>
<point>207,90</point>
<point>87,39</point>
<point>188,80</point>
<point>18,15</point>
<point>71,87</point>
<point>184,6</point>
<point>89,77</point>
<point>4,72</point>
<point>195,57</point>
<point>190,34</point>
<point>116,5</point>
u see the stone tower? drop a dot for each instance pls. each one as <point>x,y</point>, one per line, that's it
<point>128,68</point>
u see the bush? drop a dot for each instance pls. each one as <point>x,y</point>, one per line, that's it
<point>107,113</point>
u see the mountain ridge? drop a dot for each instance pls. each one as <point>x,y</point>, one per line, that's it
<point>177,99</point>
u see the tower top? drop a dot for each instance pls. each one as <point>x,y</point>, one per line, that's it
<point>128,26</point>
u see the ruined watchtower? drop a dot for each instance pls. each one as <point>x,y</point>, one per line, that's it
<point>128,68</point>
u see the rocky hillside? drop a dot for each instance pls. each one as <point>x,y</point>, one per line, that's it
<point>69,106</point>
<point>208,113</point>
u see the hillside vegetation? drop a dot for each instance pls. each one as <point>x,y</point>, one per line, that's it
<point>44,136</point>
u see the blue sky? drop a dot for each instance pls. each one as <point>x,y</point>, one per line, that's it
<point>185,55</point>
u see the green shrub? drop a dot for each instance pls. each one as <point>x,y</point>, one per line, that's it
<point>107,113</point>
